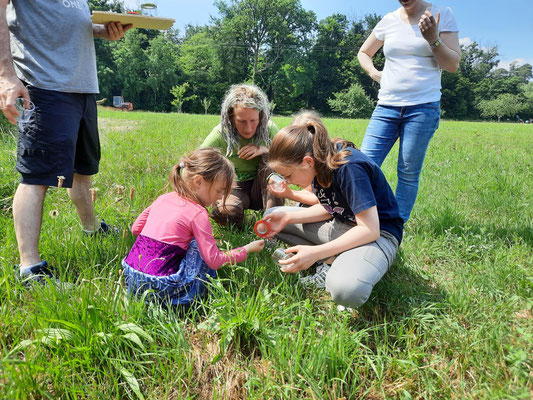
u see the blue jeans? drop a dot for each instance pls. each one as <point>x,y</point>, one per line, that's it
<point>414,126</point>
<point>180,288</point>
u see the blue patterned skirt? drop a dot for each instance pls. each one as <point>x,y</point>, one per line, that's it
<point>180,288</point>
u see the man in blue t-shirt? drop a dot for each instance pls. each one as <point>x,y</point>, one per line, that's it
<point>47,59</point>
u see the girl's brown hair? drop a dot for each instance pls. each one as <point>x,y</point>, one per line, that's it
<point>292,143</point>
<point>207,162</point>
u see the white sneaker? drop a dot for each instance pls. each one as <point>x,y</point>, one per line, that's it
<point>341,308</point>
<point>318,279</point>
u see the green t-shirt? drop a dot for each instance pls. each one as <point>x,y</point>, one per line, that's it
<point>245,169</point>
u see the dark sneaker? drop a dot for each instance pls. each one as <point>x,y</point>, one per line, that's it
<point>318,279</point>
<point>40,274</point>
<point>103,229</point>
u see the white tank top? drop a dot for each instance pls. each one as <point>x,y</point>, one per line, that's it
<point>411,75</point>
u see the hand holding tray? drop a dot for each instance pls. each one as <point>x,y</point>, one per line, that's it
<point>138,21</point>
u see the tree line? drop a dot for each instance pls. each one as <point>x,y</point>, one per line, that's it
<point>299,61</point>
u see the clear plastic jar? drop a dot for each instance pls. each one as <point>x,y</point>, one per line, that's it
<point>149,9</point>
<point>275,181</point>
<point>279,254</point>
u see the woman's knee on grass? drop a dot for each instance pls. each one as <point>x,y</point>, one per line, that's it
<point>347,292</point>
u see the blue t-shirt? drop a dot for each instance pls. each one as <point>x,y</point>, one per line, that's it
<point>357,186</point>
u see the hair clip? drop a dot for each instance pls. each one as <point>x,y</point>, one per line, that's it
<point>182,164</point>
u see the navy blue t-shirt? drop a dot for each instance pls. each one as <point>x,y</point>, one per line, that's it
<point>357,186</point>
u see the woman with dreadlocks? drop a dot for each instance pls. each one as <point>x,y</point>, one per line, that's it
<point>244,135</point>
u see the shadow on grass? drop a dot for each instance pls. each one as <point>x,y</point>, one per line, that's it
<point>402,294</point>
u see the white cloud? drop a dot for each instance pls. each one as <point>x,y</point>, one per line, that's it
<point>466,41</point>
<point>519,61</point>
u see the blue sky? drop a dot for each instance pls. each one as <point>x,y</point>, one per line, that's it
<point>507,24</point>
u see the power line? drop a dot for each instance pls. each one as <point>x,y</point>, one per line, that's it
<point>282,46</point>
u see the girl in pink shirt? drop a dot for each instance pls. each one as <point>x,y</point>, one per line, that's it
<point>175,249</point>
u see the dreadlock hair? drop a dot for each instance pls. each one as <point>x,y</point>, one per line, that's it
<point>247,96</point>
<point>292,143</point>
<point>207,162</point>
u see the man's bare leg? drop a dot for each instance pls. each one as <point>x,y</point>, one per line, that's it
<point>81,197</point>
<point>28,216</point>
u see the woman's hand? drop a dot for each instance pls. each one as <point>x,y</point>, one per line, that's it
<point>255,247</point>
<point>277,221</point>
<point>286,193</point>
<point>448,54</point>
<point>251,151</point>
<point>305,257</point>
<point>369,48</point>
<point>429,27</point>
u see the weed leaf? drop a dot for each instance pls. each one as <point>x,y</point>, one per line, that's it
<point>130,327</point>
<point>132,382</point>
<point>55,335</point>
<point>135,339</point>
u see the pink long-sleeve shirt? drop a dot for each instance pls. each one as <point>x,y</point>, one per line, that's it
<point>175,220</point>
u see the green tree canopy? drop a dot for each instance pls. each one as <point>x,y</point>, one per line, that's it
<point>299,62</point>
<point>504,105</point>
<point>264,29</point>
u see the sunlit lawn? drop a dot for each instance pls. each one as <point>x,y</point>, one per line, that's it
<point>452,318</point>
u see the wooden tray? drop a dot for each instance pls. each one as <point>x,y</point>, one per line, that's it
<point>138,21</point>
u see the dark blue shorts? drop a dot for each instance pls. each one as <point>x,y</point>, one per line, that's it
<point>61,138</point>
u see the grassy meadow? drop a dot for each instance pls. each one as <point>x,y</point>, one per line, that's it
<point>452,319</point>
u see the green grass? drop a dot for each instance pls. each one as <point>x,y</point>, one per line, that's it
<point>451,320</point>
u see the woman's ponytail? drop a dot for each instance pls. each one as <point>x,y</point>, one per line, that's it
<point>323,150</point>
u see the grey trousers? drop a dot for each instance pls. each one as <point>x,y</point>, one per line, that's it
<point>354,272</point>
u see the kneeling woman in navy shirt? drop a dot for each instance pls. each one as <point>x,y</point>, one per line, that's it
<point>356,223</point>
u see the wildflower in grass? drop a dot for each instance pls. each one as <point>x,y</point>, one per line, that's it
<point>120,188</point>
<point>132,192</point>
<point>60,180</point>
<point>94,192</point>
<point>54,213</point>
